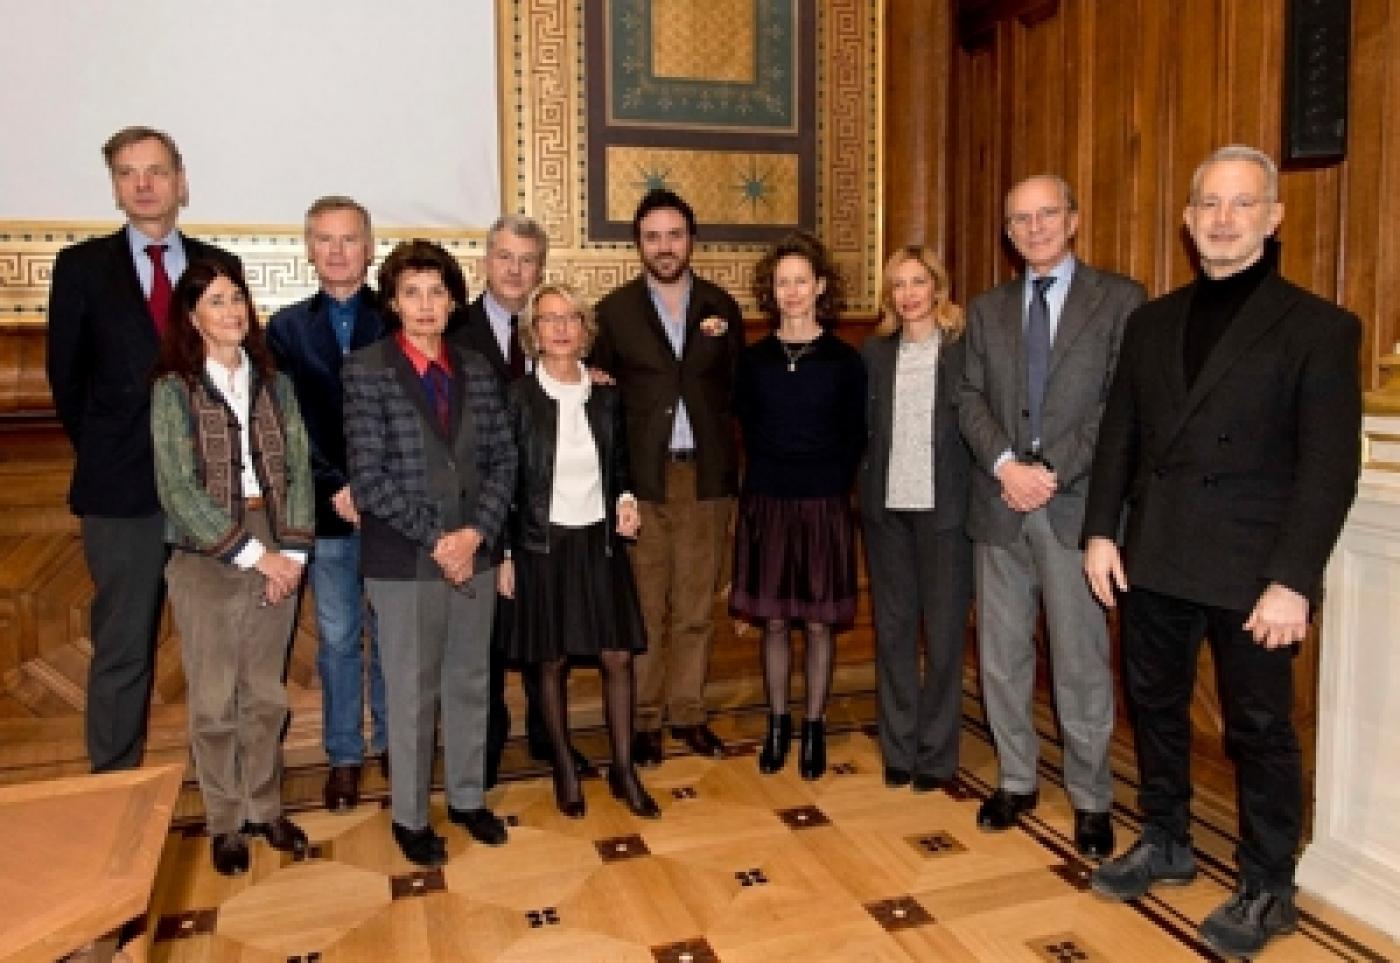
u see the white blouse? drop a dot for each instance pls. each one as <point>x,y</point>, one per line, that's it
<point>577,499</point>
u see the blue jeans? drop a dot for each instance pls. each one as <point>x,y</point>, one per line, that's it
<point>341,614</point>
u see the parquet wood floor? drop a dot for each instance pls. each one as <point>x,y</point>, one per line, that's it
<point>740,867</point>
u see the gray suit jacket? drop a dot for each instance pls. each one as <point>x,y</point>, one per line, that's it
<point>992,404</point>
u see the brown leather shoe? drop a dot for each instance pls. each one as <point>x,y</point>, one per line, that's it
<point>699,740</point>
<point>342,788</point>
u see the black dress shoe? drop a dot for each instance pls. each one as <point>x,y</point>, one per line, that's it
<point>281,834</point>
<point>342,788</point>
<point>811,759</point>
<point>230,851</point>
<point>896,777</point>
<point>1093,834</point>
<point>700,740</point>
<point>628,789</point>
<point>646,748</point>
<point>1002,809</point>
<point>926,782</point>
<point>776,743</point>
<point>483,825</point>
<point>421,846</point>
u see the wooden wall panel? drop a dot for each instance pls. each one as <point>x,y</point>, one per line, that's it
<point>1125,97</point>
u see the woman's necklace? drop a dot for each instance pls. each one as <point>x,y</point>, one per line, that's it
<point>795,352</point>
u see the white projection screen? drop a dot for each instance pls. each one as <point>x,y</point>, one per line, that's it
<point>272,103</point>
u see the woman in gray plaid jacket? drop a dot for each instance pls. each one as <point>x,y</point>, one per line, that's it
<point>432,466</point>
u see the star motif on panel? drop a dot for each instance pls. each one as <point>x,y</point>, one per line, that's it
<point>652,179</point>
<point>754,186</point>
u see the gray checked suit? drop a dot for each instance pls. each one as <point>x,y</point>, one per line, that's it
<point>1023,558</point>
<point>414,481</point>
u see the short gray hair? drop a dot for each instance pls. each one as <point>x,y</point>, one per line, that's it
<point>337,202</point>
<point>520,226</point>
<point>1066,192</point>
<point>1238,152</point>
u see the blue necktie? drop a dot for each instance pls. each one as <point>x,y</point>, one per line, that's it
<point>1038,354</point>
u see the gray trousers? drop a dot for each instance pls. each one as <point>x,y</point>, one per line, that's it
<point>919,576</point>
<point>1010,579</point>
<point>126,558</point>
<point>234,650</point>
<point>435,649</point>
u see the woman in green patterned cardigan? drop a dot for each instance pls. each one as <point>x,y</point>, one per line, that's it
<point>234,477</point>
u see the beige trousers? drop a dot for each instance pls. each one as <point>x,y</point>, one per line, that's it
<point>678,560</point>
<point>234,651</point>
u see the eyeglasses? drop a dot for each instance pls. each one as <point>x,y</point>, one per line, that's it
<point>516,260</point>
<point>1244,203</point>
<point>1025,219</point>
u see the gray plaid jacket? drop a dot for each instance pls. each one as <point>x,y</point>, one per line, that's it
<point>388,424</point>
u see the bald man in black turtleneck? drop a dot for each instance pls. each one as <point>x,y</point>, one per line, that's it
<point>1229,451</point>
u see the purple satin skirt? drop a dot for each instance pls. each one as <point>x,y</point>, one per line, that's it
<point>794,558</point>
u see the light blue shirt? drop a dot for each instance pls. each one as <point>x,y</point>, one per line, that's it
<point>1055,295</point>
<point>499,317</point>
<point>175,257</point>
<point>682,437</point>
<point>342,315</point>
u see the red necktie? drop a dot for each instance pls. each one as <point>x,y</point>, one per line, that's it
<point>159,299</point>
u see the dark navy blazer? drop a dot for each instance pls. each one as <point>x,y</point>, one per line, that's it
<point>303,341</point>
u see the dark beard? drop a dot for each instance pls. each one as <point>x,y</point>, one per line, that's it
<point>682,265</point>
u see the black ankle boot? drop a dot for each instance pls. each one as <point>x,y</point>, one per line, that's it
<point>812,761</point>
<point>773,756</point>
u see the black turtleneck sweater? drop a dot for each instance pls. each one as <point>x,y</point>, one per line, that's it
<point>1214,305</point>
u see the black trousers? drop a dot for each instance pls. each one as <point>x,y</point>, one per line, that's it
<point>1161,641</point>
<point>919,577</point>
<point>498,714</point>
<point>126,559</point>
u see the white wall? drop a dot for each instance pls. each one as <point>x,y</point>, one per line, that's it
<point>272,104</point>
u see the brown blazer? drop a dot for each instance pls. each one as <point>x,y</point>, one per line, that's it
<point>632,346</point>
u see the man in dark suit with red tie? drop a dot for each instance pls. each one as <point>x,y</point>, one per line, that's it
<point>108,303</point>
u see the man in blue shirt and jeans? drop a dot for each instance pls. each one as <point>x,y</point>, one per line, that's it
<point>309,339</point>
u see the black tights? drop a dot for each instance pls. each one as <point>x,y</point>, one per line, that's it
<point>617,706</point>
<point>777,666</point>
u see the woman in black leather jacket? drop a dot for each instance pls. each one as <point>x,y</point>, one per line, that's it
<point>568,568</point>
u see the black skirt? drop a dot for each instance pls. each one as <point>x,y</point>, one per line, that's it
<point>575,599</point>
<point>794,558</point>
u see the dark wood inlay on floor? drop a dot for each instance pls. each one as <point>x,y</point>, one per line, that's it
<point>621,847</point>
<point>182,926</point>
<point>419,883</point>
<point>899,913</point>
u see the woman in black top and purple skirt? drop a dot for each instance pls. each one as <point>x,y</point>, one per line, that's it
<point>800,399</point>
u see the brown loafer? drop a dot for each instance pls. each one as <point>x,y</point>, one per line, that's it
<point>342,788</point>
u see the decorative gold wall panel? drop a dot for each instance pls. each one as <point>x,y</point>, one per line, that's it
<point>722,186</point>
<point>713,40</point>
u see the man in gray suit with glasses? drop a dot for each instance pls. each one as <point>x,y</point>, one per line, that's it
<point>1040,355</point>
